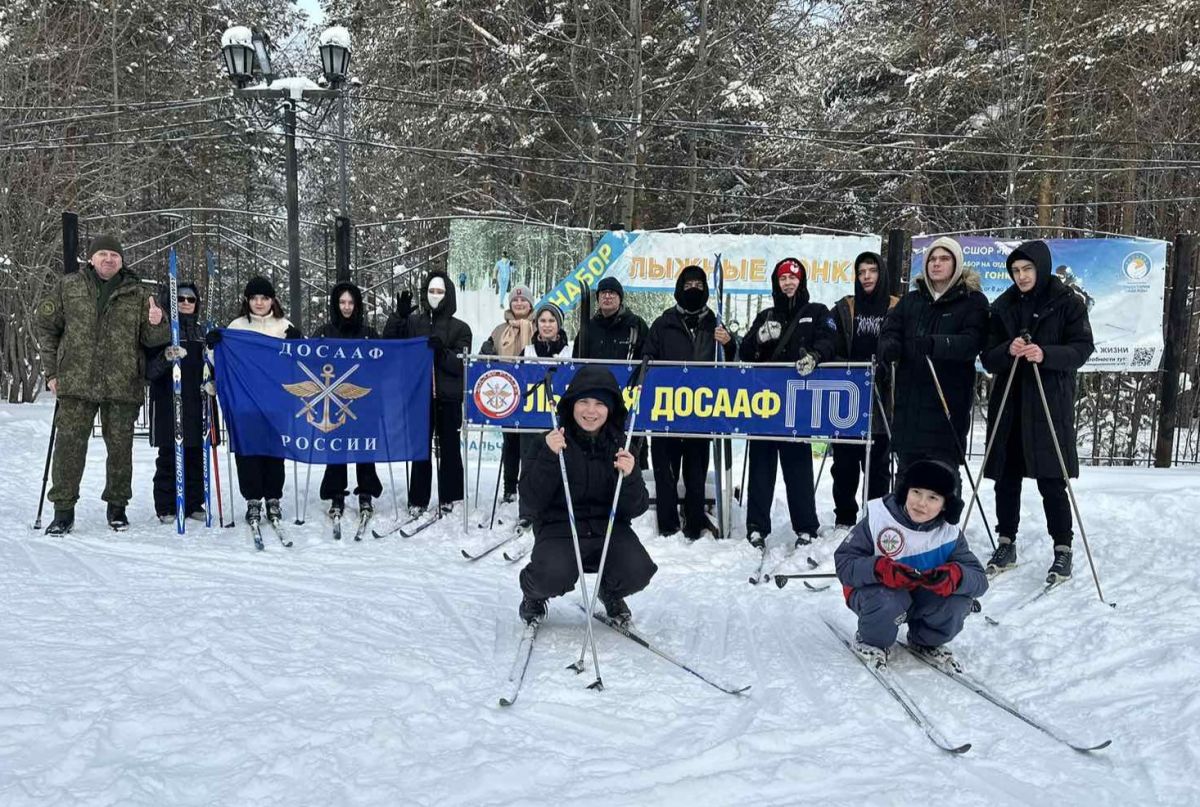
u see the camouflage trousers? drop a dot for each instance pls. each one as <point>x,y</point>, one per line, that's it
<point>75,418</point>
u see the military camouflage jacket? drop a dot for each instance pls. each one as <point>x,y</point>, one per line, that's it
<point>97,357</point>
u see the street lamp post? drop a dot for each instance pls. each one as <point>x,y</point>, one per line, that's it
<point>243,51</point>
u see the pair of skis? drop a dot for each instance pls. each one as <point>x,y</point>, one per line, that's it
<point>413,526</point>
<point>516,533</point>
<point>360,528</point>
<point>889,681</point>
<point>516,674</point>
<point>256,533</point>
<point>772,560</point>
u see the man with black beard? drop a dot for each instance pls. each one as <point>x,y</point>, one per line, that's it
<point>858,318</point>
<point>688,331</point>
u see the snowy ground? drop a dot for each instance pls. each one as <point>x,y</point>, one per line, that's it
<point>142,668</point>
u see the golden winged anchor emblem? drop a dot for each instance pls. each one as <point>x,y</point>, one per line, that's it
<point>325,391</point>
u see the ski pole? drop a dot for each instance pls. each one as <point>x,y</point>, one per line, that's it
<point>745,464</point>
<point>296,489</point>
<point>636,382</point>
<point>598,684</point>
<point>37,524</point>
<point>987,450</point>
<point>229,471</point>
<point>821,470</point>
<point>205,444</point>
<point>1062,464</point>
<point>958,444</point>
<point>781,579</point>
<point>301,516</point>
<point>496,492</point>
<point>216,460</point>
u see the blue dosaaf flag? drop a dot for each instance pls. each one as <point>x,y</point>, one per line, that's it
<point>326,401</point>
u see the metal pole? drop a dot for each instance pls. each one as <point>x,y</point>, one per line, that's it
<point>987,450</point>
<point>295,298</point>
<point>343,155</point>
<point>1062,464</point>
<point>37,524</point>
<point>958,444</point>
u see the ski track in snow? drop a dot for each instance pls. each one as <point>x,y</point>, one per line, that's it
<point>145,668</point>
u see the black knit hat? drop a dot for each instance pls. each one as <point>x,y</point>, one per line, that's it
<point>259,285</point>
<point>109,242</point>
<point>937,477</point>
<point>611,284</point>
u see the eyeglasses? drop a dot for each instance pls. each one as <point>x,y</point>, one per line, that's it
<point>185,299</point>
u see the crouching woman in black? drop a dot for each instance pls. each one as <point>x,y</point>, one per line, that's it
<point>591,440</point>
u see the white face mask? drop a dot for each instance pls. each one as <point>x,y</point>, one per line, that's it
<point>436,293</point>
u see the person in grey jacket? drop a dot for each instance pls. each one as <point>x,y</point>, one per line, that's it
<point>907,561</point>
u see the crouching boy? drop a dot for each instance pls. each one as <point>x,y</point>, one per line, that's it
<point>906,561</point>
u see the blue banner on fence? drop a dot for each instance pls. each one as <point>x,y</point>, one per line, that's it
<point>729,399</point>
<point>326,401</point>
<point>1122,281</point>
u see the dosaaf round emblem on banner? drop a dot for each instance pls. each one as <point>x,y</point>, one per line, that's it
<point>497,394</point>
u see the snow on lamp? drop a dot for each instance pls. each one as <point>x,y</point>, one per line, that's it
<point>335,53</point>
<point>238,51</point>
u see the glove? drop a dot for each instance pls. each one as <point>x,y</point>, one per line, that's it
<point>213,337</point>
<point>173,353</point>
<point>920,347</point>
<point>404,307</point>
<point>436,344</point>
<point>770,331</point>
<point>943,581</point>
<point>807,363</point>
<point>896,575</point>
<point>209,389</point>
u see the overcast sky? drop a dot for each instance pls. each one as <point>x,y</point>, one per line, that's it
<point>312,8</point>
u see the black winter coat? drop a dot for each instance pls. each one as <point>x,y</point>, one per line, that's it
<point>590,472</point>
<point>846,325</point>
<point>454,333</point>
<point>957,324</point>
<point>158,372</point>
<point>814,331</point>
<point>670,338</point>
<point>621,336</point>
<point>340,327</point>
<point>1060,326</point>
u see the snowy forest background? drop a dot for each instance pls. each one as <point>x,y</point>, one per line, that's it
<point>746,116</point>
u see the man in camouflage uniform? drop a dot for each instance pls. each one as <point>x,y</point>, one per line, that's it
<point>92,328</point>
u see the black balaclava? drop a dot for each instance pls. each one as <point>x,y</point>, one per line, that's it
<point>691,301</point>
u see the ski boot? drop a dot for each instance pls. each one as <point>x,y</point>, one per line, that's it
<point>1060,570</point>
<point>616,608</point>
<point>415,512</point>
<point>510,496</point>
<point>532,611</point>
<point>197,515</point>
<point>274,511</point>
<point>875,657</point>
<point>939,656</point>
<point>756,539</point>
<point>365,504</point>
<point>254,512</point>
<point>1004,558</point>
<point>63,523</point>
<point>839,532</point>
<point>446,510</point>
<point>336,508</point>
<point>166,518</point>
<point>804,538</point>
<point>117,518</point>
